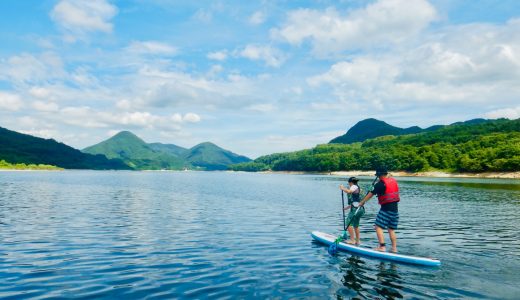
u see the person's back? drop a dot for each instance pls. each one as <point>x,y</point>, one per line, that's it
<point>354,216</point>
<point>387,191</point>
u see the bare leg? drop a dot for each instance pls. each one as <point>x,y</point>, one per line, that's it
<point>357,236</point>
<point>351,235</point>
<point>393,238</point>
<point>380,238</point>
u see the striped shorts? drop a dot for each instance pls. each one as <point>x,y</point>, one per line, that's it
<point>387,219</point>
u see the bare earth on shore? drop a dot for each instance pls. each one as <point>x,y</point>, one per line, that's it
<point>510,175</point>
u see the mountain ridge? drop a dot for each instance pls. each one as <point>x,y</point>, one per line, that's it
<point>141,155</point>
<point>24,148</point>
<point>372,128</point>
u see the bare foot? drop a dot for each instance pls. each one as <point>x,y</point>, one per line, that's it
<point>382,249</point>
<point>351,242</point>
<point>394,250</point>
<point>358,243</point>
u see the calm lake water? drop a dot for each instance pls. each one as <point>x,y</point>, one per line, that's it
<point>163,235</point>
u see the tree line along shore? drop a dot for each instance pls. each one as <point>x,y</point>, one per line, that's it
<point>490,147</point>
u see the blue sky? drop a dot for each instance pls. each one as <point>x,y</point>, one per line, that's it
<point>255,77</point>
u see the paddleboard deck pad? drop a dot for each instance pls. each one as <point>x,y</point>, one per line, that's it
<point>328,239</point>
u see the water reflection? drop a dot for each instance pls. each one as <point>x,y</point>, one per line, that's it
<point>390,281</point>
<point>354,277</point>
<point>382,281</point>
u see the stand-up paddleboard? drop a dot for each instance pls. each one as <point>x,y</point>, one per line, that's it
<point>328,239</point>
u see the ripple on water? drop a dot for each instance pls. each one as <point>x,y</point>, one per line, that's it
<point>163,235</point>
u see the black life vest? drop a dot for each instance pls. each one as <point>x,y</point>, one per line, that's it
<point>354,196</point>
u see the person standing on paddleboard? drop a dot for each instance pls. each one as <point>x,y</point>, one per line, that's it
<point>387,192</point>
<point>353,218</point>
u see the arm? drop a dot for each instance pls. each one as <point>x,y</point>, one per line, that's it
<point>366,198</point>
<point>346,190</point>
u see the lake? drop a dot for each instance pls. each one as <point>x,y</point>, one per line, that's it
<point>163,235</point>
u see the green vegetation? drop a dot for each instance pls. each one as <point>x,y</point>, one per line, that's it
<point>136,153</point>
<point>372,128</point>
<point>209,156</point>
<point>369,129</point>
<point>5,165</point>
<point>155,156</point>
<point>462,147</point>
<point>18,148</point>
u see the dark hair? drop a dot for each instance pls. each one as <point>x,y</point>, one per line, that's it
<point>354,180</point>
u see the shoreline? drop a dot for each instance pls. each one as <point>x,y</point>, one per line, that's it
<point>433,174</point>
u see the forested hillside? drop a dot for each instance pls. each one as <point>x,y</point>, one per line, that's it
<point>463,147</point>
<point>18,148</point>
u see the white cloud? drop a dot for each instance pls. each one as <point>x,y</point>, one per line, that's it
<point>218,55</point>
<point>271,56</point>
<point>214,70</point>
<point>472,53</point>
<point>384,22</point>
<point>87,117</point>
<point>45,106</point>
<point>27,68</point>
<point>267,107</point>
<point>124,104</point>
<point>151,47</point>
<point>80,16</point>
<point>468,65</point>
<point>39,92</point>
<point>191,118</point>
<point>257,18</point>
<point>360,73</point>
<point>203,16</point>
<point>10,101</point>
<point>42,133</point>
<point>511,113</point>
<point>160,88</point>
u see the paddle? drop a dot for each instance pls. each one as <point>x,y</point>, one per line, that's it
<point>343,210</point>
<point>333,248</point>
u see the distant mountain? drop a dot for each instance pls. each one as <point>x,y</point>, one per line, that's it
<point>211,157</point>
<point>372,128</point>
<point>129,148</point>
<point>23,148</point>
<point>168,148</point>
<point>138,154</point>
<point>473,146</point>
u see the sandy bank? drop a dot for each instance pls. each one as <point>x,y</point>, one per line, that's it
<point>433,174</point>
<point>510,175</point>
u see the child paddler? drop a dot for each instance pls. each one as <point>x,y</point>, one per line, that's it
<point>353,218</point>
<point>387,192</point>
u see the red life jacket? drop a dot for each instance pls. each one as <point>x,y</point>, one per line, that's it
<point>391,192</point>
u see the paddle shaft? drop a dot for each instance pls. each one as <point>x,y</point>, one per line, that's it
<point>343,210</point>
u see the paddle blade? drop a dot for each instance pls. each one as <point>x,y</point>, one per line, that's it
<point>333,249</point>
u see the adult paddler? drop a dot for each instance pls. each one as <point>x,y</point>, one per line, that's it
<point>387,192</point>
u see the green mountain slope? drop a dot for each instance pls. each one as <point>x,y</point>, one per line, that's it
<point>372,128</point>
<point>141,155</point>
<point>136,153</point>
<point>211,157</point>
<point>473,146</point>
<point>168,148</point>
<point>22,148</point>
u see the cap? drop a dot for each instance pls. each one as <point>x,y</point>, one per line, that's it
<point>381,171</point>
